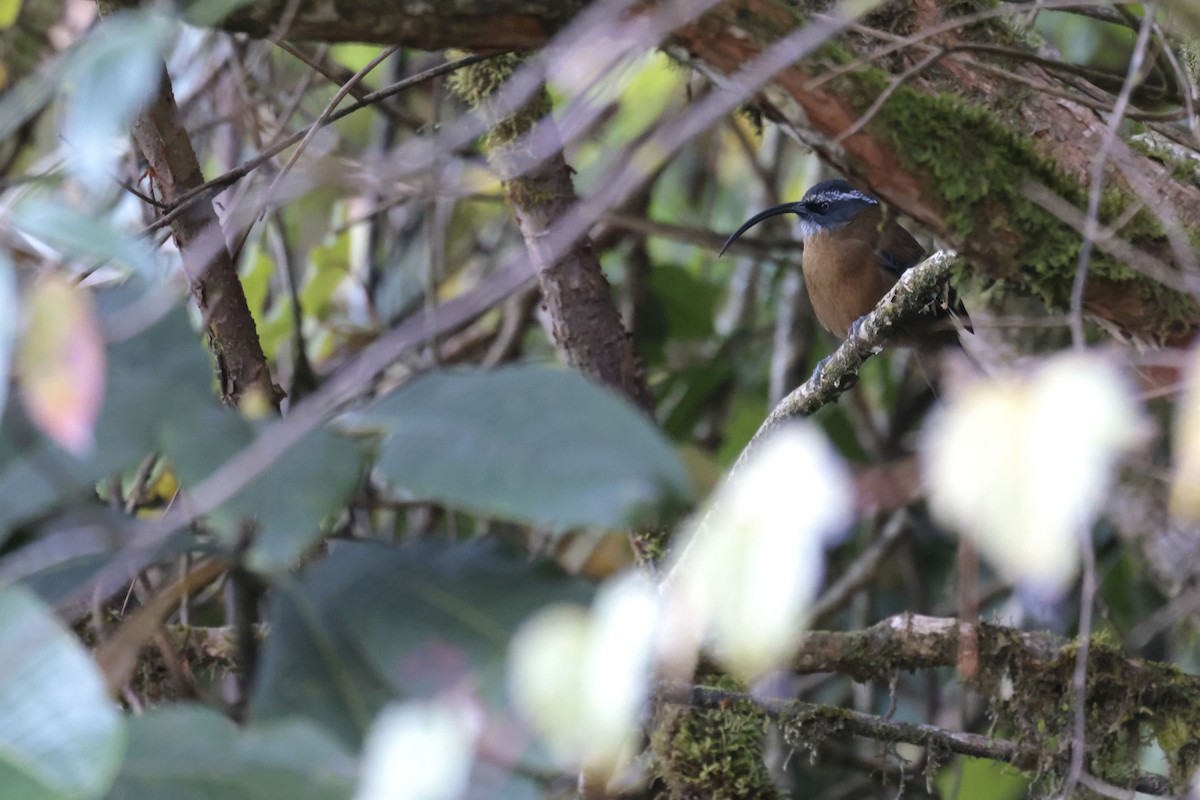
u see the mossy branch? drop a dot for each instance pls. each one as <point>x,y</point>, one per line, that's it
<point>1026,679</point>
<point>806,724</point>
<point>524,146</point>
<point>916,289</point>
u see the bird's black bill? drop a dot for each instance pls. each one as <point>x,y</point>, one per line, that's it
<point>786,208</point>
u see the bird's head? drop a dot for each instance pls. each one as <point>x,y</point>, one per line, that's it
<point>824,207</point>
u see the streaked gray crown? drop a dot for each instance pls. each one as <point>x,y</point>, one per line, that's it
<point>831,204</point>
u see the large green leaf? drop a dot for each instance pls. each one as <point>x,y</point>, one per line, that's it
<point>60,735</point>
<point>153,378</point>
<point>160,398</point>
<point>82,235</point>
<point>109,77</point>
<point>530,444</point>
<point>194,753</point>
<point>314,480</point>
<point>372,623</point>
<point>687,304</point>
<point>286,503</point>
<point>208,13</point>
<point>692,391</point>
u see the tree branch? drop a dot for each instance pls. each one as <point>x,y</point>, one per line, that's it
<point>806,723</point>
<point>174,168</point>
<point>1027,678</point>
<point>586,325</point>
<point>482,25</point>
<point>916,289</point>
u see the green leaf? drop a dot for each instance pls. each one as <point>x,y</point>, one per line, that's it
<point>687,304</point>
<point>111,75</point>
<point>372,623</point>
<point>330,268</point>
<point>190,752</point>
<point>21,102</point>
<point>153,379</point>
<point>693,390</point>
<point>9,11</point>
<point>286,503</point>
<point>530,444</point>
<point>60,735</point>
<point>981,779</point>
<point>82,235</point>
<point>208,13</point>
<point>315,479</point>
<point>160,399</point>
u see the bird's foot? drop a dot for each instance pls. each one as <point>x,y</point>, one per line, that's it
<point>819,369</point>
<point>841,383</point>
<point>856,331</point>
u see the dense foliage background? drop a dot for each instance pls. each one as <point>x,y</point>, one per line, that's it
<point>369,410</point>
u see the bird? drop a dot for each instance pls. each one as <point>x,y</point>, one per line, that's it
<point>852,254</point>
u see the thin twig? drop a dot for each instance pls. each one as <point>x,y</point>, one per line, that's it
<point>779,249</point>
<point>1082,9</point>
<point>860,573</point>
<point>1087,601</point>
<point>219,183</point>
<point>1109,242</point>
<point>898,43</point>
<point>323,120</point>
<point>886,94</point>
<point>320,65</point>
<point>1184,81</point>
<point>1097,178</point>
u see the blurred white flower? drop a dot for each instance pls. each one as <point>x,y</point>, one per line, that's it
<point>745,579</point>
<point>1185,484</point>
<point>1021,464</point>
<point>419,751</point>
<point>582,678</point>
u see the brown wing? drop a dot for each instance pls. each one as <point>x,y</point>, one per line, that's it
<point>898,250</point>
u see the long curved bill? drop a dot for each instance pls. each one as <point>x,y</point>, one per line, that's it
<point>774,211</point>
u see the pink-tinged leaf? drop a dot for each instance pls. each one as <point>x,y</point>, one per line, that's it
<point>60,363</point>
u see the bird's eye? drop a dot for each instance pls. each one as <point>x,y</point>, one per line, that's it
<point>820,206</point>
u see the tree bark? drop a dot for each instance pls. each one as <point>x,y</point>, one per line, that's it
<point>968,144</point>
<point>586,324</point>
<point>174,169</point>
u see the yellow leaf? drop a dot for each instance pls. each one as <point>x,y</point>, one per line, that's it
<point>9,11</point>
<point>60,363</point>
